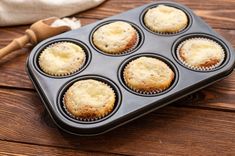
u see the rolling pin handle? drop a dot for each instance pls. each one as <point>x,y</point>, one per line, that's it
<point>14,45</point>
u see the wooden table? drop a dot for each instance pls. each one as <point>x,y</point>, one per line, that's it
<point>201,124</point>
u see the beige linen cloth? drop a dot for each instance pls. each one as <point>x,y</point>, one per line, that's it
<point>16,12</point>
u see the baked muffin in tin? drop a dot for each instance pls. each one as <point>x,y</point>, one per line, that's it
<point>165,19</point>
<point>89,100</point>
<point>200,53</point>
<point>116,38</point>
<point>148,75</point>
<point>61,58</point>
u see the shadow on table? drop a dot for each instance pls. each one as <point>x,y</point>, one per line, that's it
<point>154,127</point>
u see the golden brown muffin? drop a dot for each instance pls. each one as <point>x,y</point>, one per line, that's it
<point>62,58</point>
<point>148,75</point>
<point>200,53</point>
<point>115,38</point>
<point>165,19</point>
<point>89,99</point>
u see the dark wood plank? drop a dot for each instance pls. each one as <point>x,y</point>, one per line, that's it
<point>219,14</point>
<point>171,130</point>
<point>218,96</point>
<point>21,149</point>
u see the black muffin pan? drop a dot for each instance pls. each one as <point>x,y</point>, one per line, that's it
<point>109,68</point>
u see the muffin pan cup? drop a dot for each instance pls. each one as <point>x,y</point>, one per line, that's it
<point>135,47</point>
<point>147,93</point>
<point>107,82</point>
<point>167,33</point>
<point>65,73</point>
<point>129,105</point>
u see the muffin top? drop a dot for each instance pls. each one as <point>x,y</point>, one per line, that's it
<point>89,99</point>
<point>147,74</point>
<point>115,38</point>
<point>61,58</point>
<point>165,19</point>
<point>201,52</point>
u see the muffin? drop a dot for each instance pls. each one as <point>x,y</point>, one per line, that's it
<point>62,58</point>
<point>165,19</point>
<point>89,100</point>
<point>115,38</point>
<point>200,53</point>
<point>148,75</point>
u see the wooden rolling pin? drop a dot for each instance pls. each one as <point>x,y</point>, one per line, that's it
<point>37,32</point>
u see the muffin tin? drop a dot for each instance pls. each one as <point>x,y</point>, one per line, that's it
<point>109,68</point>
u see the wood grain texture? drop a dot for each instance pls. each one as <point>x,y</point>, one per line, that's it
<point>218,13</point>
<point>170,130</point>
<point>21,149</point>
<point>200,124</point>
